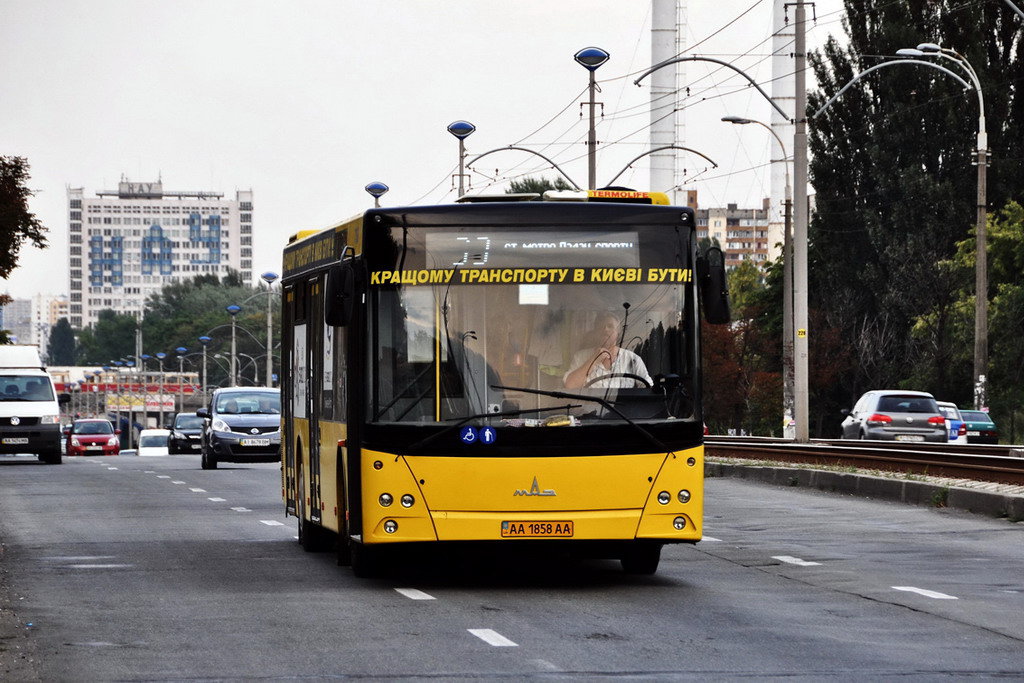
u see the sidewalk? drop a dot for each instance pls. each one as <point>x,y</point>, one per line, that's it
<point>994,500</point>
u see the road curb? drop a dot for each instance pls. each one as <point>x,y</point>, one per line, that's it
<point>990,503</point>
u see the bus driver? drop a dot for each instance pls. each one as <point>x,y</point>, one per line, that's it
<point>607,358</point>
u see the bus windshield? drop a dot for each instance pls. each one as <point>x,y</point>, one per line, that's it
<point>521,326</point>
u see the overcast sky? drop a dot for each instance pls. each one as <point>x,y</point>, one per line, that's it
<point>306,102</point>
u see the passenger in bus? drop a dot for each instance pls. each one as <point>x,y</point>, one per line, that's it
<point>592,366</point>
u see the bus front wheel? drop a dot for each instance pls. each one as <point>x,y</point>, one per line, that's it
<point>366,562</point>
<point>641,558</point>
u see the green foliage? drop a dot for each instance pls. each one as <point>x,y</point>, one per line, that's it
<point>61,347</point>
<point>17,223</point>
<point>181,313</point>
<point>896,193</point>
<point>537,185</point>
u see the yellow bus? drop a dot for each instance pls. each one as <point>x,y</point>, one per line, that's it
<point>498,372</point>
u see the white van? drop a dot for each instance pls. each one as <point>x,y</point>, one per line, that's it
<point>29,408</point>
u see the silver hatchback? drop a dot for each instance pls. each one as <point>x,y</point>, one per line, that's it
<point>894,415</point>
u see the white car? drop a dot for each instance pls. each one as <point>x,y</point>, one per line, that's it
<point>153,442</point>
<point>955,423</point>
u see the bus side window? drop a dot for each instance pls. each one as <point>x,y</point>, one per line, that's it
<point>339,295</point>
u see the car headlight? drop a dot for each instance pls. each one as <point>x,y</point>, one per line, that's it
<point>49,420</point>
<point>75,441</point>
<point>220,425</point>
<point>112,441</point>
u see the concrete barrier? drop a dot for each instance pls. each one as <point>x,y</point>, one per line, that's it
<point>911,492</point>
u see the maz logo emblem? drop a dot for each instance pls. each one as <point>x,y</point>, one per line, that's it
<point>534,491</point>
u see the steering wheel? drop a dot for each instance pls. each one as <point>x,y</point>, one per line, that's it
<point>630,375</point>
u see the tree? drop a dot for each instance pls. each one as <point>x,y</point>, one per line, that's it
<point>537,185</point>
<point>17,223</point>
<point>61,348</point>
<point>891,165</point>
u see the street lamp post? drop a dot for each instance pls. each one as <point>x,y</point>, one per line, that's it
<point>129,364</point>
<point>204,340</point>
<point>787,283</point>
<point>981,230</point>
<point>117,389</point>
<point>160,357</point>
<point>233,310</point>
<point>376,190</point>
<point>461,130</point>
<point>181,351</point>
<point>591,58</point>
<point>981,259</point>
<point>269,277</point>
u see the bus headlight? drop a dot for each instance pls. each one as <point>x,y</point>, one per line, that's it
<point>385,500</point>
<point>407,501</point>
<point>679,523</point>
<point>684,496</point>
<point>664,497</point>
<point>390,526</point>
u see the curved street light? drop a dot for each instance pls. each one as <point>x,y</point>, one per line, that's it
<point>655,151</point>
<point>160,357</point>
<point>909,56</point>
<point>530,151</point>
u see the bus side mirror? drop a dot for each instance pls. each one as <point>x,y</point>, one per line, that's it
<point>714,290</point>
<point>340,292</point>
<point>63,398</point>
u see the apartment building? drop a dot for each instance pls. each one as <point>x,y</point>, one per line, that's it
<point>128,243</point>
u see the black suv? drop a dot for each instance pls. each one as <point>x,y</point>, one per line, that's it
<point>186,434</point>
<point>241,424</point>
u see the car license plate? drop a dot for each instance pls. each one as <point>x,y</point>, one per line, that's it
<point>16,440</point>
<point>94,448</point>
<point>527,529</point>
<point>196,446</point>
<point>970,433</point>
<point>254,442</point>
<point>909,437</point>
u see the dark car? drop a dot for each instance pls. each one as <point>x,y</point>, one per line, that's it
<point>241,424</point>
<point>92,437</point>
<point>896,415</point>
<point>186,434</point>
<point>980,427</point>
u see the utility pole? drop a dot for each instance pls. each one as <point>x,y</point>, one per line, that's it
<point>801,409</point>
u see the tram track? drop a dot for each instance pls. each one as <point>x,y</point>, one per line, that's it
<point>996,463</point>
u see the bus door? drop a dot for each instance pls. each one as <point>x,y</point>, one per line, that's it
<point>313,370</point>
<point>293,333</point>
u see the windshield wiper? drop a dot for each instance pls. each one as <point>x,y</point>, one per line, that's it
<point>592,399</point>
<point>505,413</point>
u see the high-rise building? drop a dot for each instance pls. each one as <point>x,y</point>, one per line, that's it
<point>17,320</point>
<point>126,244</point>
<point>741,233</point>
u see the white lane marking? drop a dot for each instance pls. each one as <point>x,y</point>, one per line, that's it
<point>271,522</point>
<point>163,476</point>
<point>218,500</point>
<point>926,593</point>
<point>545,665</point>
<point>415,594</point>
<point>149,471</point>
<point>492,637</point>
<point>711,539</point>
<point>177,482</point>
<point>76,558</point>
<point>241,509</point>
<point>795,560</point>
<point>198,490</point>
<point>98,566</point>
<point>111,468</point>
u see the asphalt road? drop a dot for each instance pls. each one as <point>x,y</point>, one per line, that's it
<point>128,568</point>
